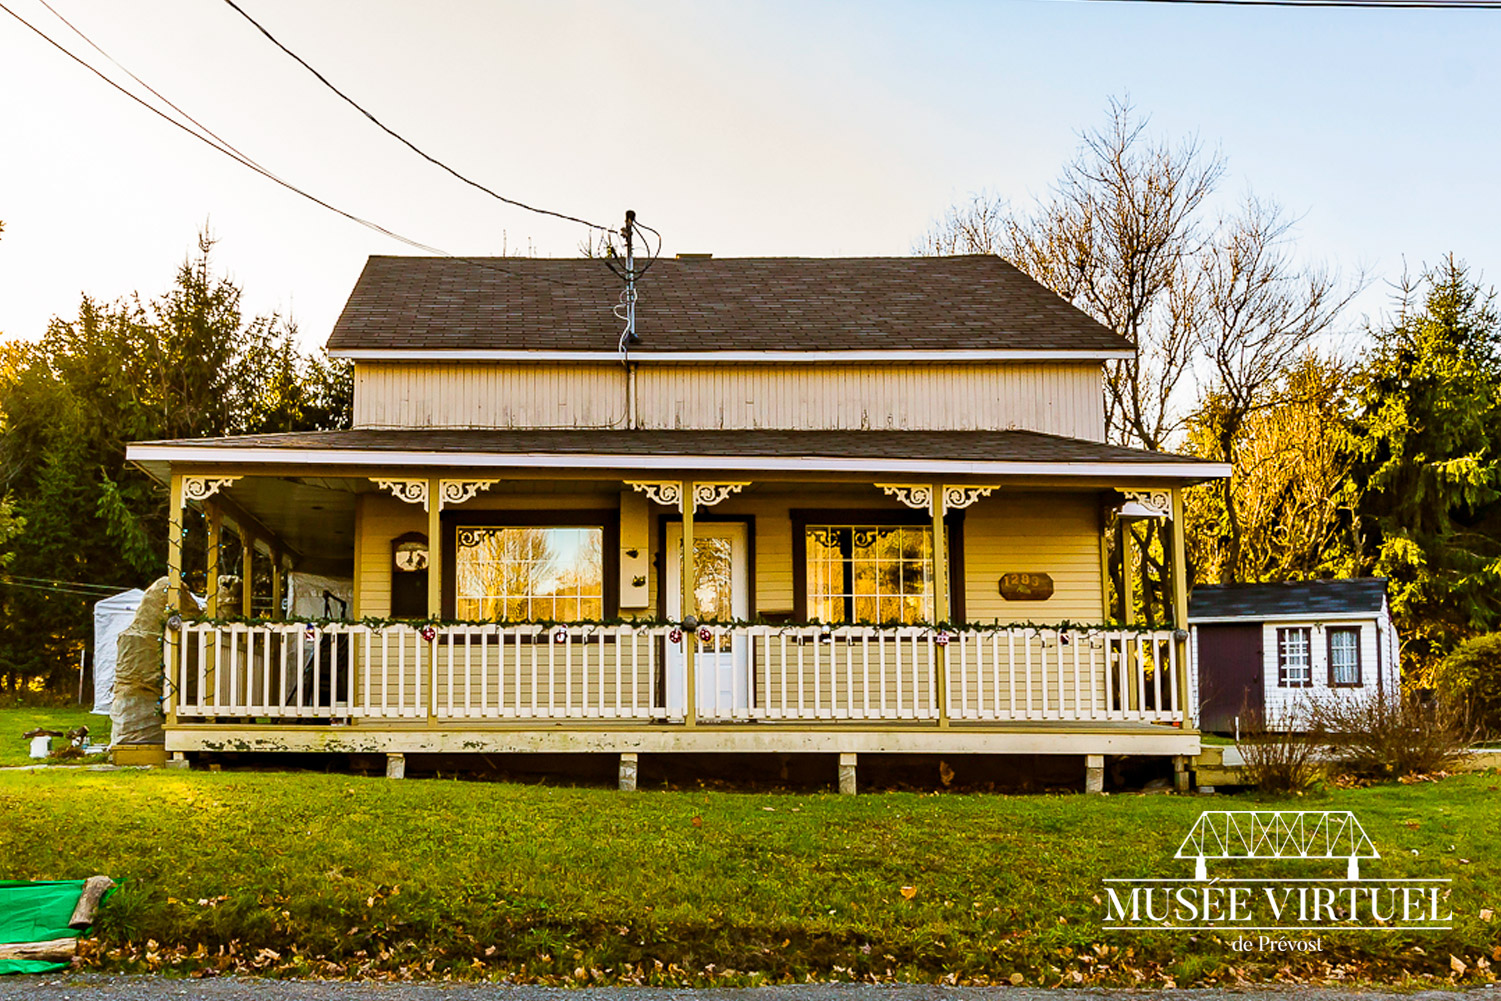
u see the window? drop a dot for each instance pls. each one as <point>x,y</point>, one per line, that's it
<point>869,573</point>
<point>529,574</point>
<point>1344,657</point>
<point>1293,667</point>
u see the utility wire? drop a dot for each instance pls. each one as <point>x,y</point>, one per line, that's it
<point>110,588</point>
<point>1367,4</point>
<point>245,161</point>
<point>403,139</point>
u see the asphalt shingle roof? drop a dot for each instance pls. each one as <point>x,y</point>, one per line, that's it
<point>1356,595</point>
<point>960,446</point>
<point>725,304</point>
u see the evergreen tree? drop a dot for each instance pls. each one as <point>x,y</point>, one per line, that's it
<point>187,364</point>
<point>1429,438</point>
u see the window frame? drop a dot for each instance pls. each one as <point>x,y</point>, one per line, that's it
<point>606,519</point>
<point>1329,632</point>
<point>1282,675</point>
<point>803,517</point>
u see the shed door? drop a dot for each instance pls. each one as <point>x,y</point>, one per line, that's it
<point>1230,675</point>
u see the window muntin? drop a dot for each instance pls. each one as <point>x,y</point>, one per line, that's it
<point>1344,657</point>
<point>529,574</point>
<point>1294,666</point>
<point>869,573</point>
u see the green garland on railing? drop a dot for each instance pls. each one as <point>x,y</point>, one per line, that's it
<point>376,622</point>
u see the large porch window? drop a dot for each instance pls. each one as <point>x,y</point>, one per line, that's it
<point>870,573</point>
<point>529,573</point>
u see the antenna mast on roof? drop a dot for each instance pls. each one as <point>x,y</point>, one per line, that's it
<point>627,231</point>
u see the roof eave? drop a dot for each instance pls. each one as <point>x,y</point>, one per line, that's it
<point>641,355</point>
<point>264,456</point>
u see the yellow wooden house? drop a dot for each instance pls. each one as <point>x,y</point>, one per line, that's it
<point>892,474</point>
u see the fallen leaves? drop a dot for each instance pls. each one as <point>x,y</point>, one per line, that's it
<point>909,892</point>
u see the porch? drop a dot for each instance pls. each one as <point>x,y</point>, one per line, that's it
<point>976,610</point>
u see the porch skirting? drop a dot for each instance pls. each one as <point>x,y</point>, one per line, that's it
<point>704,739</point>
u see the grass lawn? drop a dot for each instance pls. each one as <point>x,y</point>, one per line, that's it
<point>299,873</point>
<point>15,721</point>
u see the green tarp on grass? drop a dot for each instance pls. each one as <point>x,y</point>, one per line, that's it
<point>37,912</point>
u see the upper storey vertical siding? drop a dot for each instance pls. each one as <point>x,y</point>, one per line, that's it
<point>1057,398</point>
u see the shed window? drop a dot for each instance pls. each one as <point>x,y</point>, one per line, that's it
<point>1294,669</point>
<point>1344,657</point>
<point>870,573</point>
<point>530,574</point>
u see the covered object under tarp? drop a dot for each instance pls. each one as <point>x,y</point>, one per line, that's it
<point>111,617</point>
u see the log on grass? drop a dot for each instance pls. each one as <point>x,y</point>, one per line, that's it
<point>94,889</point>
<point>59,950</point>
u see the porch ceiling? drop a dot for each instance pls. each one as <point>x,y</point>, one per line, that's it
<point>886,453</point>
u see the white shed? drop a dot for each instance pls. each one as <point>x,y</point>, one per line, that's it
<point>1274,648</point>
<point>111,616</point>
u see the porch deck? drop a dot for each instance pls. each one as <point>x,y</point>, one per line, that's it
<point>496,688</point>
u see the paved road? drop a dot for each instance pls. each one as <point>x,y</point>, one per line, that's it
<point>90,987</point>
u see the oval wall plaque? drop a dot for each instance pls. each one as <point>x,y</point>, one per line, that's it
<point>1026,586</point>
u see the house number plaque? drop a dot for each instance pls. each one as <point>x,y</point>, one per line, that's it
<point>1026,586</point>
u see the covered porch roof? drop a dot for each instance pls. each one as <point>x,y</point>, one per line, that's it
<point>939,453</point>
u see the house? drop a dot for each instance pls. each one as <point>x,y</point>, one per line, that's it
<point>892,474</point>
<point>1270,650</point>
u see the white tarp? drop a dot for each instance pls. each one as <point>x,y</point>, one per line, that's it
<point>306,593</point>
<point>111,617</point>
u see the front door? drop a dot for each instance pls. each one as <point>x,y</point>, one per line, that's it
<point>722,594</point>
<point>1230,676</point>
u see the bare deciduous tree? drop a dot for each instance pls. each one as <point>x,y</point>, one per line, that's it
<point>1259,313</point>
<point>1218,310</point>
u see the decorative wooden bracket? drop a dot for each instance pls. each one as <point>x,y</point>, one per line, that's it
<point>920,495</point>
<point>957,498</point>
<point>669,493</point>
<point>709,494</point>
<point>914,495</point>
<point>411,491</point>
<point>1146,503</point>
<point>201,488</point>
<point>453,492</point>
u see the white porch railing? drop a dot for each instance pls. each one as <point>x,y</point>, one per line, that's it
<point>482,672</point>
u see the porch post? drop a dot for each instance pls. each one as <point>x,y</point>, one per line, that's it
<point>1123,538</point>
<point>434,552</point>
<point>941,603</point>
<point>689,574</point>
<point>1106,606</point>
<point>434,590</point>
<point>247,573</point>
<point>1180,599</point>
<point>276,612</point>
<point>214,537</point>
<point>174,592</point>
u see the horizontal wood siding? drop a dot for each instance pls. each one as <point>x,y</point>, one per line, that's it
<point>1052,533</point>
<point>1056,534</point>
<point>1060,398</point>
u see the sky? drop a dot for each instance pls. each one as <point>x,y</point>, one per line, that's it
<point>744,129</point>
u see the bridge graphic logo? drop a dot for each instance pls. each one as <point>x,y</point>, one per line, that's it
<point>1277,834</point>
<point>1227,900</point>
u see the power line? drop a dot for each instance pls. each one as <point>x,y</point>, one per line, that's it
<point>1367,4</point>
<point>403,139</point>
<point>109,588</point>
<point>250,164</point>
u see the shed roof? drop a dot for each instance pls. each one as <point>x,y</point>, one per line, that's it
<point>976,303</point>
<point>1350,596</point>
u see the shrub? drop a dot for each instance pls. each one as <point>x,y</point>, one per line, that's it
<point>1276,760</point>
<point>1391,735</point>
<point>1471,677</point>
